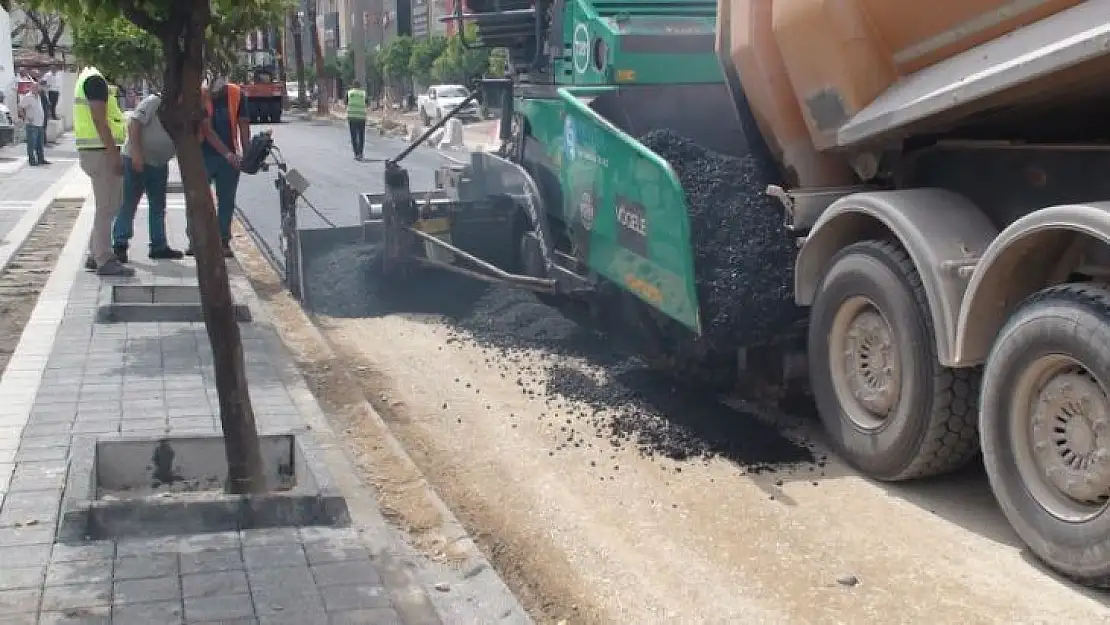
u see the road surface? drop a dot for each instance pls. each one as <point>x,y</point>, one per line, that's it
<point>321,152</point>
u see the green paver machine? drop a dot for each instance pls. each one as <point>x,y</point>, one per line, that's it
<point>572,204</point>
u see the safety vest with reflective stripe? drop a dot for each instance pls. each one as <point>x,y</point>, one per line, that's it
<point>356,104</point>
<point>84,129</point>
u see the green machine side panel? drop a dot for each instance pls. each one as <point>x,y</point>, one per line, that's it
<point>638,42</point>
<point>631,208</point>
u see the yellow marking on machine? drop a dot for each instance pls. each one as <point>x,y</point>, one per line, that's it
<point>435,225</point>
<point>642,288</point>
<point>626,75</point>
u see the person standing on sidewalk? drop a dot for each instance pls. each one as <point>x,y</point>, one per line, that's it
<point>45,107</point>
<point>99,128</point>
<point>147,153</point>
<point>32,114</point>
<point>226,130</point>
<point>53,80</point>
<point>356,118</point>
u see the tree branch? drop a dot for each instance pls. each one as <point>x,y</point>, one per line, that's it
<point>58,34</point>
<point>143,20</point>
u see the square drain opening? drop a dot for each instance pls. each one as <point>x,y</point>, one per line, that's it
<point>127,486</point>
<point>153,303</point>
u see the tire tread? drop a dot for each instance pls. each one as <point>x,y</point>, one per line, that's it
<point>952,440</point>
<point>1095,298</point>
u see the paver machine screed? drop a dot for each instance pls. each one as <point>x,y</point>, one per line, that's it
<point>942,169</point>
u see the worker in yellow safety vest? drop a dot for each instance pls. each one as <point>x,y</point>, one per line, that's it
<point>100,129</point>
<point>356,118</point>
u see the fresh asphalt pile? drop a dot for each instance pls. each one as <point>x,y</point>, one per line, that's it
<point>743,256</point>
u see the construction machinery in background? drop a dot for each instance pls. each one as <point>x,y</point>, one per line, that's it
<point>264,86</point>
<point>941,172</point>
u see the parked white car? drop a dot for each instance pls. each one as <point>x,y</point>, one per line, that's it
<point>440,99</point>
<point>292,92</point>
<point>7,124</point>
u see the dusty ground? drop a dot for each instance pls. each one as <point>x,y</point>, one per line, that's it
<point>27,273</point>
<point>602,511</point>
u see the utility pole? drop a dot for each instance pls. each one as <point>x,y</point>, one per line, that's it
<point>318,53</point>
<point>298,52</point>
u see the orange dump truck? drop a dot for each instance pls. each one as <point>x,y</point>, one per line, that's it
<point>949,170</point>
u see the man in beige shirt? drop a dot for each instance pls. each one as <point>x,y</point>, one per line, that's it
<point>146,169</point>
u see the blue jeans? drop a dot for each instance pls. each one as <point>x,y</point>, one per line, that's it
<point>152,180</point>
<point>36,141</point>
<point>226,179</point>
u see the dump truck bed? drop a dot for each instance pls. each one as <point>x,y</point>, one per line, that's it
<point>826,76</point>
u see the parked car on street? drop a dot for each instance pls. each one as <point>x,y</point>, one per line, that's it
<point>292,92</point>
<point>7,124</point>
<point>440,99</point>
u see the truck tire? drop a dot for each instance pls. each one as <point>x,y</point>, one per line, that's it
<point>890,409</point>
<point>1045,425</point>
<point>275,113</point>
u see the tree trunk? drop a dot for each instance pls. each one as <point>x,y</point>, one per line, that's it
<point>359,43</point>
<point>181,113</point>
<point>318,54</point>
<point>298,52</point>
<point>277,44</point>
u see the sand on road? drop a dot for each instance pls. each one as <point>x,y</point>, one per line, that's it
<point>591,518</point>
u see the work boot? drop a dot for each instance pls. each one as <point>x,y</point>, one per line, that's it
<point>90,263</point>
<point>115,268</point>
<point>121,253</point>
<point>165,253</point>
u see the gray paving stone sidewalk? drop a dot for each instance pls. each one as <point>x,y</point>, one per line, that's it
<point>72,376</point>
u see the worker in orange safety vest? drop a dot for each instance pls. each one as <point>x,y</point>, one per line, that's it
<point>227,133</point>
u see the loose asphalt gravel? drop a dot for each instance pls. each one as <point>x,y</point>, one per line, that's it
<point>601,396</point>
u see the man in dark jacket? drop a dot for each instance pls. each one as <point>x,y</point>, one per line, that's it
<point>45,98</point>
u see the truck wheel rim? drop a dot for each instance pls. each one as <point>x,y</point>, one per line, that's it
<point>864,363</point>
<point>1061,433</point>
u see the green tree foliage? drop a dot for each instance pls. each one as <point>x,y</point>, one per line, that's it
<point>459,64</point>
<point>498,62</point>
<point>331,65</point>
<point>424,55</point>
<point>231,20</point>
<point>119,48</point>
<point>396,57</point>
<point>373,71</point>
